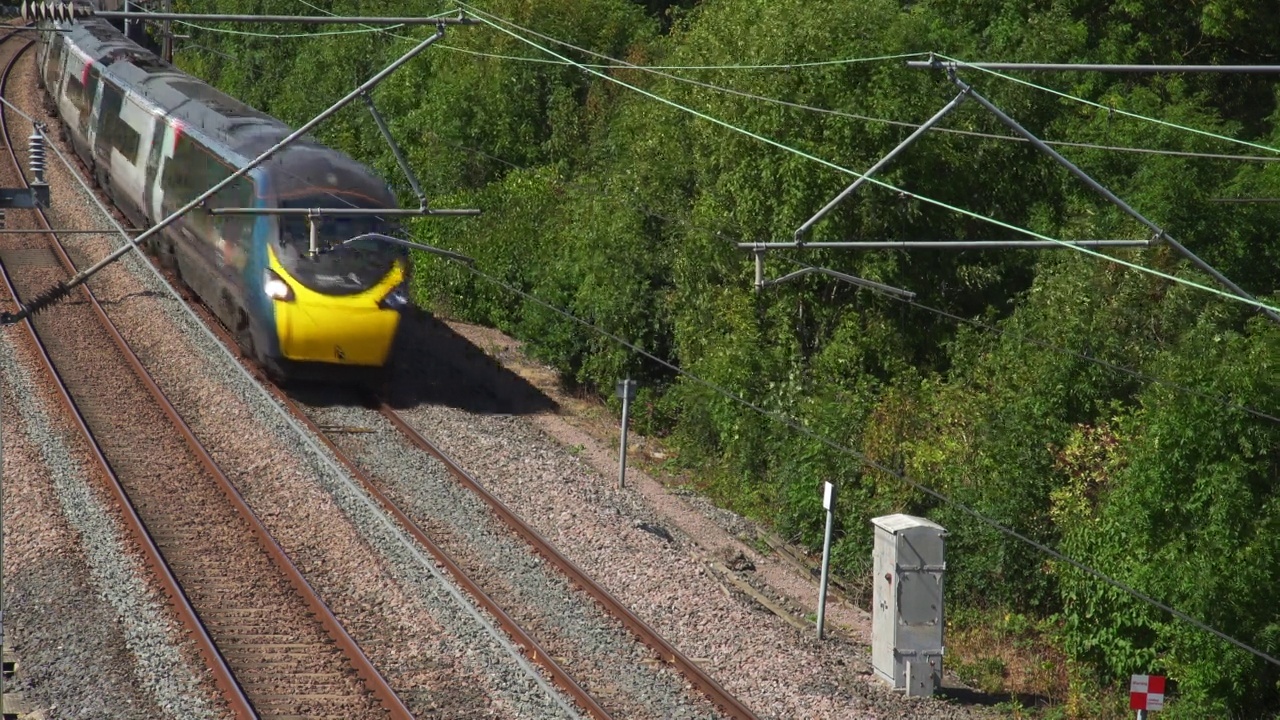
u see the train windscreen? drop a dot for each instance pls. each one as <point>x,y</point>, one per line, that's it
<point>339,269</point>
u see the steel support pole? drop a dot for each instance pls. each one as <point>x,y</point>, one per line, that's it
<point>759,248</point>
<point>166,51</point>
<point>1093,67</point>
<point>828,504</point>
<point>85,274</point>
<point>293,19</point>
<point>1222,280</point>
<point>626,390</point>
<point>808,224</point>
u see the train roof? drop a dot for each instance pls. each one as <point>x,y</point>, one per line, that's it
<point>198,105</point>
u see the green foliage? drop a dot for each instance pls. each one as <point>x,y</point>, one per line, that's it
<point>624,211</point>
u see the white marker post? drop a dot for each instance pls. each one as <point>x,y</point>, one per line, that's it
<point>828,504</point>
<point>626,391</point>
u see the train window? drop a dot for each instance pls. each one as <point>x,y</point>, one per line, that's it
<point>55,61</point>
<point>75,88</point>
<point>185,176</point>
<point>90,92</point>
<point>236,228</point>
<point>115,131</point>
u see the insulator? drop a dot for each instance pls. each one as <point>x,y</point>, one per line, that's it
<point>55,11</point>
<point>35,159</point>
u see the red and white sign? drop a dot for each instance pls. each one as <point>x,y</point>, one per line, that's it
<point>1146,692</point>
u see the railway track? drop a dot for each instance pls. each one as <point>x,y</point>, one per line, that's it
<point>639,675</point>
<point>270,642</point>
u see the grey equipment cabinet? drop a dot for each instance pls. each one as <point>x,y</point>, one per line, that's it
<point>906,612</point>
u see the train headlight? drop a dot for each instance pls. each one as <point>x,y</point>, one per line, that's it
<point>397,299</point>
<point>275,287</point>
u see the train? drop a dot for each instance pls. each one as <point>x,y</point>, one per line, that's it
<point>155,138</point>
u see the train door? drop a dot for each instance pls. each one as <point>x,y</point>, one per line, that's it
<point>95,110</point>
<point>53,67</point>
<point>126,137</point>
<point>73,103</point>
<point>161,151</point>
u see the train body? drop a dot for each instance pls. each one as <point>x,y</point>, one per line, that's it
<point>156,138</point>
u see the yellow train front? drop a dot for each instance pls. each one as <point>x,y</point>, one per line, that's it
<point>329,302</point>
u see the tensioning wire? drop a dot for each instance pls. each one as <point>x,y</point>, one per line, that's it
<point>283,36</point>
<point>791,66</point>
<point>777,66</point>
<point>483,17</point>
<point>867,461</point>
<point>1108,108</point>
<point>656,70</point>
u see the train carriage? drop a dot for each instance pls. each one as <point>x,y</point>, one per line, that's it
<point>155,139</point>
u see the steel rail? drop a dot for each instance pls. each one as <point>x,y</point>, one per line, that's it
<point>666,652</point>
<point>531,647</point>
<point>373,680</point>
<point>223,678</point>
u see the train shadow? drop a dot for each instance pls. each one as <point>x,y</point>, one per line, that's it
<point>969,696</point>
<point>434,365</point>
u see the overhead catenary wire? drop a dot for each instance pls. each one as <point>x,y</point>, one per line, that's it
<point>484,17</point>
<point>766,66</point>
<point>1023,338</point>
<point>659,70</point>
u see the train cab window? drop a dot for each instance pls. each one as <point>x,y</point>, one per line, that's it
<point>340,269</point>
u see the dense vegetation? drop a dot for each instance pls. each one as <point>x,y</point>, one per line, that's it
<point>624,211</point>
